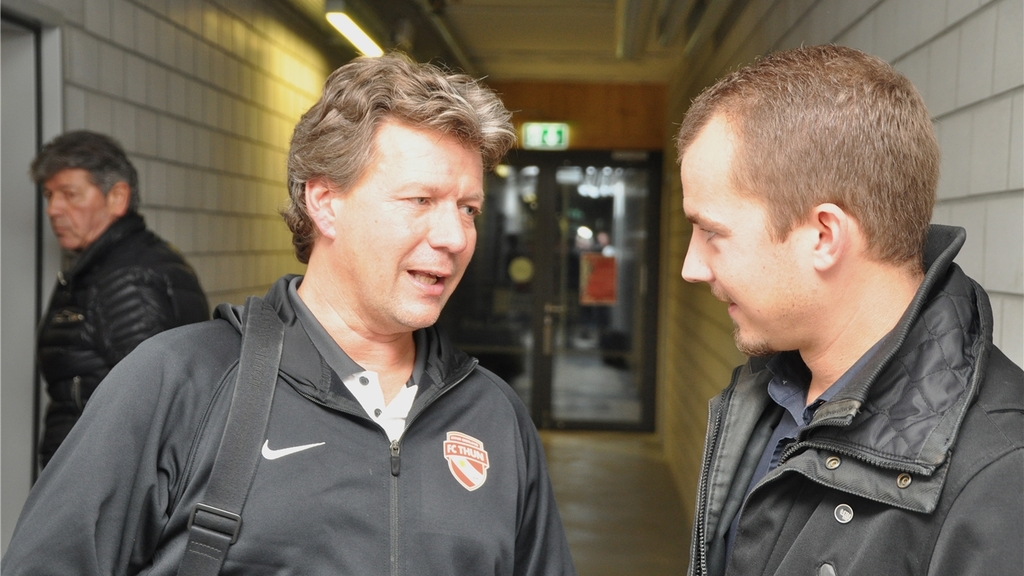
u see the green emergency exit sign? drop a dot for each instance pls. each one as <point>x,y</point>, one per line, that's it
<point>545,135</point>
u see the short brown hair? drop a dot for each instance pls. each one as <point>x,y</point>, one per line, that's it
<point>830,124</point>
<point>335,138</point>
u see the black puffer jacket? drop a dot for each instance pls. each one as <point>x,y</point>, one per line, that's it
<point>125,287</point>
<point>916,467</point>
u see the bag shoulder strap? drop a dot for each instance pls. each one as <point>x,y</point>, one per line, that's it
<point>215,522</point>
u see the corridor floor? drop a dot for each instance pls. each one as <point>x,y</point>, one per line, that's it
<point>620,508</point>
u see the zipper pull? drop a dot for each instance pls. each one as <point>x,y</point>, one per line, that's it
<point>396,463</point>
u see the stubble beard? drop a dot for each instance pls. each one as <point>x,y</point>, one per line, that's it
<point>751,347</point>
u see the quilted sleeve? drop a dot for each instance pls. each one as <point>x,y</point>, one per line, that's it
<point>130,306</point>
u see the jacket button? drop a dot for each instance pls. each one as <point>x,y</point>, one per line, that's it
<point>844,513</point>
<point>832,462</point>
<point>826,569</point>
<point>903,480</point>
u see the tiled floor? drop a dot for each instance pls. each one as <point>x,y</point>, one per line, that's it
<point>620,508</point>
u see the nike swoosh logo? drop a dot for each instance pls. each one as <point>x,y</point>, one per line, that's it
<point>275,454</point>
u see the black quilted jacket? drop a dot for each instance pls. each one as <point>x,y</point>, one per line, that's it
<point>916,467</point>
<point>125,287</point>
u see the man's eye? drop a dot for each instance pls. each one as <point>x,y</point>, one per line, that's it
<point>471,210</point>
<point>421,201</point>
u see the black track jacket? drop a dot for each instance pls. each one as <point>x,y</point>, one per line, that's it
<point>117,495</point>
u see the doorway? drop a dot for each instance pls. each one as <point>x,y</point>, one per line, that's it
<point>559,298</point>
<point>29,252</point>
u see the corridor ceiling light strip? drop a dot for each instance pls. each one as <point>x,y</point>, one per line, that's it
<point>354,34</point>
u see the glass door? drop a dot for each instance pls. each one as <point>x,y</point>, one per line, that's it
<point>559,299</point>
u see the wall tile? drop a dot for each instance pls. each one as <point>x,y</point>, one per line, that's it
<point>99,113</point>
<point>194,16</point>
<point>977,57</point>
<point>1009,51</point>
<point>165,43</point>
<point>146,137</point>
<point>145,33</point>
<point>931,17</point>
<point>860,36</point>
<point>971,216</point>
<point>122,18</point>
<point>97,17</point>
<point>1011,335</point>
<point>194,101</point>
<point>111,69</point>
<point>1004,241</point>
<point>202,56</point>
<point>176,86</point>
<point>211,24</point>
<point>186,145</point>
<point>915,67</point>
<point>990,154</point>
<point>955,144</point>
<point>74,108</point>
<point>167,135</point>
<point>83,58</point>
<point>1016,171</point>
<point>157,6</point>
<point>943,66</point>
<point>155,192</point>
<point>156,89</point>
<point>125,128</point>
<point>176,184</point>
<point>887,31</point>
<point>185,50</point>
<point>908,22</point>
<point>134,78</point>
<point>956,10</point>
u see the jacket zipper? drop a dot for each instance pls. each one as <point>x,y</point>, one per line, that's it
<point>395,453</point>
<point>396,464</point>
<point>711,437</point>
<point>76,392</point>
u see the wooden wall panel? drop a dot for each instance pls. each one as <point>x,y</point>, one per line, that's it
<point>600,116</point>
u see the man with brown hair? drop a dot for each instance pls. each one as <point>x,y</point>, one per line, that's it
<point>387,450</point>
<point>876,429</point>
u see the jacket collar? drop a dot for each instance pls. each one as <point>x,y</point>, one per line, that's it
<point>306,371</point>
<point>903,410</point>
<point>118,230</point>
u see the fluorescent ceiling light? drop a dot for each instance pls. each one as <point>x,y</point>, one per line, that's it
<point>353,33</point>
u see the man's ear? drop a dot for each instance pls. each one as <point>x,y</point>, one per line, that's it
<point>319,206</point>
<point>118,199</point>
<point>837,234</point>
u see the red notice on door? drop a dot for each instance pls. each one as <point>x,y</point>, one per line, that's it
<point>597,279</point>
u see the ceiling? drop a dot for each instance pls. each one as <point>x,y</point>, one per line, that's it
<point>600,41</point>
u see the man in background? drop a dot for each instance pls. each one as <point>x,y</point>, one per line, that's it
<point>387,450</point>
<point>123,285</point>
<point>876,429</point>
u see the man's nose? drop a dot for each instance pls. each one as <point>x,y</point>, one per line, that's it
<point>54,205</point>
<point>449,229</point>
<point>695,267</point>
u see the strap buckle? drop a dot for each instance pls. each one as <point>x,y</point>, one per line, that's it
<point>223,522</point>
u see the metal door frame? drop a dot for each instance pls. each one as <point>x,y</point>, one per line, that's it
<point>545,289</point>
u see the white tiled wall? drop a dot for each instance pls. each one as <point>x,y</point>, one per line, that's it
<point>203,94</point>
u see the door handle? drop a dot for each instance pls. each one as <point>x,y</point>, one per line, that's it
<point>554,308</point>
<point>550,309</point>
